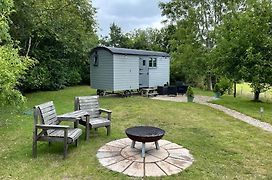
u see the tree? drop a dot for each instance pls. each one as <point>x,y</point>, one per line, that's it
<point>244,46</point>
<point>59,35</point>
<point>116,38</point>
<point>194,21</point>
<point>12,66</point>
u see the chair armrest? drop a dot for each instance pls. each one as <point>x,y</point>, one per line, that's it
<point>42,126</point>
<point>105,110</point>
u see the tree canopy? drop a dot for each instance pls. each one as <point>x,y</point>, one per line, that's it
<point>244,46</point>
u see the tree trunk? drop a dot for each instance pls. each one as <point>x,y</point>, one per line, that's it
<point>256,95</point>
<point>234,89</point>
<point>29,45</point>
<point>210,83</point>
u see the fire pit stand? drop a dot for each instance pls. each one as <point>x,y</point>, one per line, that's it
<point>145,134</point>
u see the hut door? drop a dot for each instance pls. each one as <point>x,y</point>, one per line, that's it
<point>143,73</point>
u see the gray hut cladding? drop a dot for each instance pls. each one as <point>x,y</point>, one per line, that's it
<point>120,69</point>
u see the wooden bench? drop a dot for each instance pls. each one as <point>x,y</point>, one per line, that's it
<point>46,120</point>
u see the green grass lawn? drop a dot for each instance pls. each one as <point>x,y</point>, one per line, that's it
<point>223,147</point>
<point>201,92</point>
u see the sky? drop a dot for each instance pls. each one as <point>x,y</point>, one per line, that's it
<point>127,14</point>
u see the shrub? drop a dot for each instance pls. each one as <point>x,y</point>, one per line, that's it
<point>12,68</point>
<point>222,86</point>
<point>190,92</point>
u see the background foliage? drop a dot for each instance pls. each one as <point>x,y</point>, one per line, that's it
<point>12,65</point>
<point>59,34</point>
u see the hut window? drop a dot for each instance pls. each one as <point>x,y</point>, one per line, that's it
<point>143,62</point>
<point>95,59</point>
<point>150,62</point>
<point>153,62</point>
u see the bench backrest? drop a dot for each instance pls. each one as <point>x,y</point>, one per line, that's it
<point>89,104</point>
<point>47,113</point>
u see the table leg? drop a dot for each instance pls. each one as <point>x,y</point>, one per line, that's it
<point>133,144</point>
<point>157,145</point>
<point>143,150</point>
<point>76,124</point>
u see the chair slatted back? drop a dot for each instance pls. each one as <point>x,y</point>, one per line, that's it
<point>89,104</point>
<point>48,113</point>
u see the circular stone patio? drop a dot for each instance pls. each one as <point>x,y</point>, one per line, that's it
<point>170,159</point>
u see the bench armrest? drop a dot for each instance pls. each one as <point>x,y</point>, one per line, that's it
<point>43,126</point>
<point>106,111</point>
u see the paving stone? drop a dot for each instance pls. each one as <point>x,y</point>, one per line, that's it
<point>180,153</point>
<point>172,146</point>
<point>105,154</point>
<point>151,169</point>
<point>126,141</point>
<point>161,153</point>
<point>179,162</point>
<point>110,160</point>
<point>109,148</point>
<point>149,158</point>
<point>136,158</point>
<point>120,166</point>
<point>168,168</point>
<point>163,142</point>
<point>148,146</point>
<point>117,144</point>
<point>135,169</point>
<point>128,151</point>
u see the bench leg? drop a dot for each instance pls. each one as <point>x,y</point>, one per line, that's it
<point>143,150</point>
<point>76,142</point>
<point>34,145</point>
<point>108,130</point>
<point>65,144</point>
<point>87,131</point>
<point>34,148</point>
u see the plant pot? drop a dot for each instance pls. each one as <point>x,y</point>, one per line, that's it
<point>217,94</point>
<point>190,98</point>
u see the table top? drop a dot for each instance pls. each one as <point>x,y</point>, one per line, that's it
<point>74,114</point>
<point>144,133</point>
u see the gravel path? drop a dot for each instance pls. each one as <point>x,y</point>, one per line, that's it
<point>204,100</point>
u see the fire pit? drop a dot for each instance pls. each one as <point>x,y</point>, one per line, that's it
<point>145,134</point>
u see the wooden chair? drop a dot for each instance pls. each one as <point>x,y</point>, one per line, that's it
<point>50,130</point>
<point>91,105</point>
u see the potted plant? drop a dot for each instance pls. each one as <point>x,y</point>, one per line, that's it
<point>216,90</point>
<point>190,94</point>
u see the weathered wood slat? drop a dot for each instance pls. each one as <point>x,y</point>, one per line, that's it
<point>45,114</point>
<point>45,105</point>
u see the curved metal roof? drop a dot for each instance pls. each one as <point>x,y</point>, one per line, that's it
<point>127,51</point>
